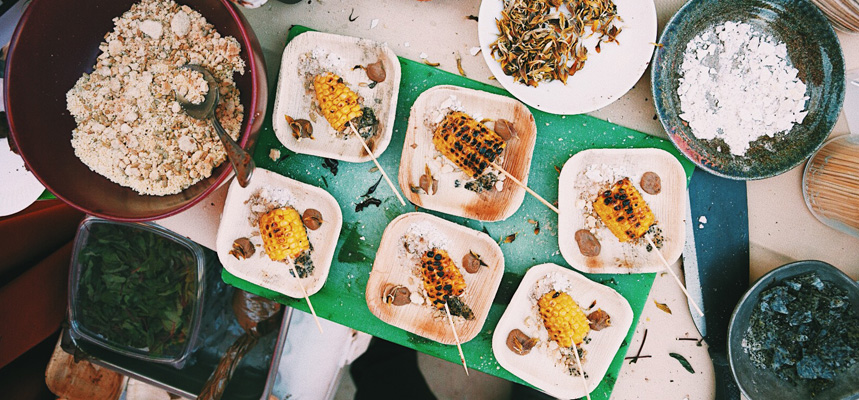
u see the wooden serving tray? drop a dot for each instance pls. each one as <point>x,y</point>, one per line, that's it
<point>391,266</point>
<point>419,151</point>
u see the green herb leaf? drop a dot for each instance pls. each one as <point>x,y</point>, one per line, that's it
<point>683,362</point>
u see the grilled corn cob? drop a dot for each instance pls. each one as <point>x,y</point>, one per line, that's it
<point>442,279</point>
<point>283,234</point>
<point>563,318</point>
<point>338,103</point>
<point>467,142</point>
<point>622,209</point>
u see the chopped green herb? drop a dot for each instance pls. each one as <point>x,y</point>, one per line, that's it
<point>683,362</point>
<point>136,288</point>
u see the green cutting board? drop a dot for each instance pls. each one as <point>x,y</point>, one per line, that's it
<point>342,298</point>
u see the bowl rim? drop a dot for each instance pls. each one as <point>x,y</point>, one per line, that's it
<point>759,285</point>
<point>655,91</point>
<point>254,65</point>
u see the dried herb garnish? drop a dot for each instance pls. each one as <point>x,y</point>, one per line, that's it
<point>331,165</point>
<point>541,41</point>
<point>634,359</point>
<point>536,226</point>
<point>557,169</point>
<point>431,64</point>
<point>509,238</point>
<point>372,189</point>
<point>471,17</point>
<point>366,203</point>
<point>683,362</point>
<point>690,339</point>
<point>350,16</point>
<point>459,63</point>
<point>661,306</point>
<point>136,288</point>
<point>459,308</point>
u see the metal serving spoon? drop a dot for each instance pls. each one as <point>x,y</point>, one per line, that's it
<point>241,161</point>
<point>258,316</point>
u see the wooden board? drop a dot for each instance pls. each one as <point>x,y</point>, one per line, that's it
<point>393,266</point>
<point>537,367</point>
<point>668,206</point>
<point>339,54</point>
<point>419,152</point>
<point>259,268</point>
<point>81,380</point>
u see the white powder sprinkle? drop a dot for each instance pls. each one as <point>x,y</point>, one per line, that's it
<point>738,85</point>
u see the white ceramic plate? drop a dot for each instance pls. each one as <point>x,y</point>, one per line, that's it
<point>607,75</point>
<point>668,206</point>
<point>261,270</point>
<point>419,152</point>
<point>537,367</point>
<point>337,54</point>
<point>393,266</point>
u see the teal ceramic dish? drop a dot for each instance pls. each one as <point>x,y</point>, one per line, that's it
<point>813,49</point>
<point>760,384</point>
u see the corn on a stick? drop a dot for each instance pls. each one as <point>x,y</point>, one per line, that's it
<point>373,157</point>
<point>676,278</point>
<point>456,337</point>
<point>283,234</point>
<point>306,297</point>
<point>338,103</point>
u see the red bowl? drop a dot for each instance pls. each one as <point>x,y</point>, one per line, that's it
<point>54,44</point>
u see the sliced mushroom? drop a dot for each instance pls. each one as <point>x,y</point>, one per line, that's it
<point>397,295</point>
<point>471,262</point>
<point>242,248</point>
<point>376,71</point>
<point>599,320</point>
<point>312,219</point>
<point>520,343</point>
<point>505,129</point>
<point>589,245</point>
<point>651,183</point>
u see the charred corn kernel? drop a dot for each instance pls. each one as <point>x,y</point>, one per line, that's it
<point>442,279</point>
<point>622,209</point>
<point>563,318</point>
<point>283,234</point>
<point>467,142</point>
<point>338,103</point>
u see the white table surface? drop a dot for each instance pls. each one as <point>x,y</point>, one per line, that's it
<point>781,227</point>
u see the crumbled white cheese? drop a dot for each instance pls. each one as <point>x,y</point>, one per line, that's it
<point>274,154</point>
<point>738,85</point>
<point>702,219</point>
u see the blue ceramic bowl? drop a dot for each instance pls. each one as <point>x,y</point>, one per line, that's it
<point>758,384</point>
<point>813,49</point>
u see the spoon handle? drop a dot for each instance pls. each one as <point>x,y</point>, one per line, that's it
<point>243,163</point>
<point>214,388</point>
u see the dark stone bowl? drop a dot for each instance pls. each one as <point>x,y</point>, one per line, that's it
<point>813,49</point>
<point>758,384</point>
<point>57,41</point>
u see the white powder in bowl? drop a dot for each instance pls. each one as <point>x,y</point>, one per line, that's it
<point>738,85</point>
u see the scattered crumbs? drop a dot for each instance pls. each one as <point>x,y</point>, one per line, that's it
<point>474,51</point>
<point>406,44</point>
<point>373,23</point>
<point>424,56</point>
<point>274,154</point>
<point>702,219</point>
<point>700,226</point>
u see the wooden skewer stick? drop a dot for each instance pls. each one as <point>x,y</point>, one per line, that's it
<point>456,336</point>
<point>581,370</point>
<point>373,157</point>
<point>306,297</point>
<point>522,185</point>
<point>676,278</point>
